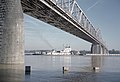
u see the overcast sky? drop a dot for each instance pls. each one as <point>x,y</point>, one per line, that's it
<point>104,14</point>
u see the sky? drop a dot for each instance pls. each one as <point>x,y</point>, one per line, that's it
<point>103,14</point>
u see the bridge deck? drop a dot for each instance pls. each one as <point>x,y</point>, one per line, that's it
<point>50,12</point>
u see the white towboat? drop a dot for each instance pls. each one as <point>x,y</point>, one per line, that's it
<point>66,51</point>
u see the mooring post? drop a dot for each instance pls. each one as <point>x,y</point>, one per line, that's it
<point>27,70</point>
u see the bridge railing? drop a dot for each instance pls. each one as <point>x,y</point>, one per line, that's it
<point>72,8</point>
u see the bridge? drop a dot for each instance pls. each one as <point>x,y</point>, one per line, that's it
<point>63,14</point>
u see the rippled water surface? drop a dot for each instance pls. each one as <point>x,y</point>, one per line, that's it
<point>50,69</point>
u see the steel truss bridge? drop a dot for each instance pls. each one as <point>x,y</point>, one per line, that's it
<point>66,15</point>
<point>63,14</point>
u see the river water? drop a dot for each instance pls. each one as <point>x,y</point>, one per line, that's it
<point>50,69</point>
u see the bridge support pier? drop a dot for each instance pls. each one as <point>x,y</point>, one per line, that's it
<point>106,51</point>
<point>11,32</point>
<point>98,49</point>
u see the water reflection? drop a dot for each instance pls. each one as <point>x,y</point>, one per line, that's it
<point>67,61</point>
<point>97,62</point>
<point>49,69</point>
<point>11,73</point>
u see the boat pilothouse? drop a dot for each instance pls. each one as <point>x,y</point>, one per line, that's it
<point>65,51</point>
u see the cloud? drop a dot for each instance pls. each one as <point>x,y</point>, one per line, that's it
<point>94,5</point>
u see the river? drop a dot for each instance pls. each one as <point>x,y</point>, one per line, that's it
<point>50,69</point>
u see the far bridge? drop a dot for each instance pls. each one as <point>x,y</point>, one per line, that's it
<point>63,14</point>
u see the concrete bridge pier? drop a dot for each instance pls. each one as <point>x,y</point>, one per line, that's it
<point>96,61</point>
<point>11,32</point>
<point>96,49</point>
<point>106,51</point>
<point>11,41</point>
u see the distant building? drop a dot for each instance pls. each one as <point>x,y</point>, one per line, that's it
<point>113,51</point>
<point>84,52</point>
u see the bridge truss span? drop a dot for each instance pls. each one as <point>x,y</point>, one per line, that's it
<point>63,14</point>
<point>71,8</point>
<point>66,15</point>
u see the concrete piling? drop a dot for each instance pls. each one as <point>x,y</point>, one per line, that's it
<point>65,68</point>
<point>27,70</point>
<point>96,69</point>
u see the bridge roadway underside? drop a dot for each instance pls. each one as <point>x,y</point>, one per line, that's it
<point>12,31</point>
<point>52,14</point>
